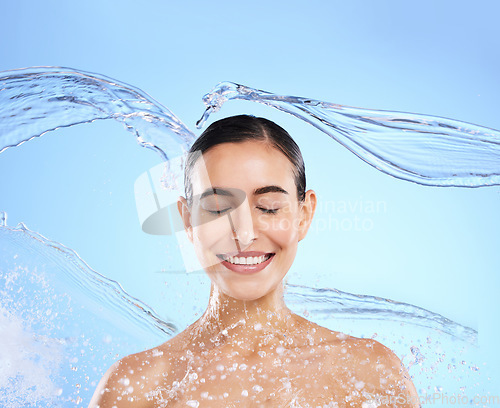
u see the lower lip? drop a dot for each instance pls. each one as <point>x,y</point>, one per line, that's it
<point>247,269</point>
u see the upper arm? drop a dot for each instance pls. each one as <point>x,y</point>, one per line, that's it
<point>116,388</point>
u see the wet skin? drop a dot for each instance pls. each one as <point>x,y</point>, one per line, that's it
<point>249,349</point>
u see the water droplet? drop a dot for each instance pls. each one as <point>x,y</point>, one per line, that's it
<point>359,385</point>
<point>3,219</point>
<point>341,336</point>
<point>417,354</point>
<point>257,388</point>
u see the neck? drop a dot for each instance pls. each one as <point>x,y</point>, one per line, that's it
<point>246,324</point>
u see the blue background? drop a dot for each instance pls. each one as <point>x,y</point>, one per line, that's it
<point>436,248</point>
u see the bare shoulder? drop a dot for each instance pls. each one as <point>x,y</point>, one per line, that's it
<point>375,371</point>
<point>129,380</point>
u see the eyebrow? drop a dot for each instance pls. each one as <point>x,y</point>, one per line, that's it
<point>258,191</point>
<point>269,189</point>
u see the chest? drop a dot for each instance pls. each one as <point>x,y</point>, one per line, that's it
<point>287,380</point>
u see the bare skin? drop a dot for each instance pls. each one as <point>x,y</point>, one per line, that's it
<point>306,365</point>
<point>248,349</point>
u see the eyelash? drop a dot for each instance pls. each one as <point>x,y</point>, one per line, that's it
<point>218,212</point>
<point>271,211</point>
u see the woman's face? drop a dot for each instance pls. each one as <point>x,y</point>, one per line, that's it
<point>245,220</point>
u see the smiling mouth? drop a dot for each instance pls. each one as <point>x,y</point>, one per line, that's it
<point>246,258</point>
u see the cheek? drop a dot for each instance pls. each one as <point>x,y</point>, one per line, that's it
<point>206,233</point>
<point>283,230</point>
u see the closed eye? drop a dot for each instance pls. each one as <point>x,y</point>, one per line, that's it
<point>268,210</point>
<point>264,210</point>
<point>219,212</point>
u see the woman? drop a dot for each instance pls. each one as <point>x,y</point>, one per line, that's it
<point>245,211</point>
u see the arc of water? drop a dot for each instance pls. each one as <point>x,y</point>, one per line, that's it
<point>424,149</point>
<point>37,100</point>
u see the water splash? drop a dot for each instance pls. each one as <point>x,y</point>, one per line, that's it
<point>46,289</point>
<point>62,323</point>
<point>428,344</point>
<point>424,149</point>
<point>329,304</point>
<point>37,100</point>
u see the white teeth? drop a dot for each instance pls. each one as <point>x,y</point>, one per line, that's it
<point>251,260</point>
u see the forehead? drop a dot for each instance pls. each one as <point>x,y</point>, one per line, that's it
<point>247,164</point>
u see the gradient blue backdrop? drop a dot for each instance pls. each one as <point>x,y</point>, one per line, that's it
<point>437,248</point>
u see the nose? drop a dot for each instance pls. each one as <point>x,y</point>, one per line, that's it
<point>243,226</point>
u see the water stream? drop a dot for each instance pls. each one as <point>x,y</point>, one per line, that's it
<point>51,356</point>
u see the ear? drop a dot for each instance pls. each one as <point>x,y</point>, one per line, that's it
<point>183,208</point>
<point>307,209</point>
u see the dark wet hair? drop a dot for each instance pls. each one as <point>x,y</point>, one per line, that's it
<point>242,128</point>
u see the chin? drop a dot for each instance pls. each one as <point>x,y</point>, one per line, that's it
<point>246,295</point>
